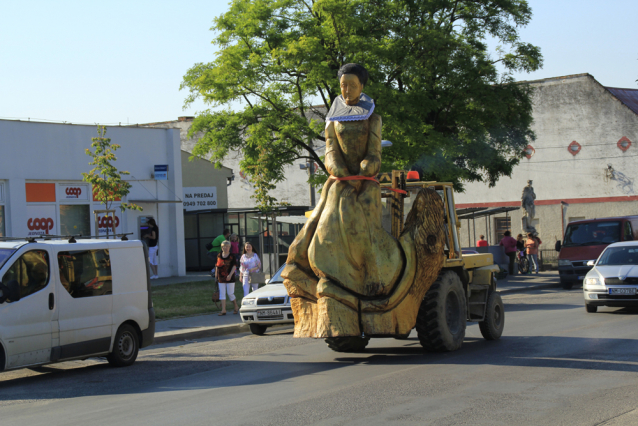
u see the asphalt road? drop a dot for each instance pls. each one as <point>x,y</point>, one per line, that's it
<point>555,365</point>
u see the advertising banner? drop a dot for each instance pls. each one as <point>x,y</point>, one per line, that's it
<point>200,198</point>
<point>41,220</point>
<point>104,222</point>
<point>73,191</point>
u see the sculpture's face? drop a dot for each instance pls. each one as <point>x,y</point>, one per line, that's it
<point>351,89</point>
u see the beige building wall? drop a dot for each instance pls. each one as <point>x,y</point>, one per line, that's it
<point>201,173</point>
<point>598,181</point>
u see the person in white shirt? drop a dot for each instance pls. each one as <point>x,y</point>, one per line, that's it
<point>249,263</point>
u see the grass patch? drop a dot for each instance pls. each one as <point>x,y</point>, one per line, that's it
<point>187,299</point>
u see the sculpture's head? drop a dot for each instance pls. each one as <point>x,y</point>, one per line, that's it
<point>352,79</point>
<point>529,183</point>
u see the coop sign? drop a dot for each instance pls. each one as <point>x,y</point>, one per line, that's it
<point>200,198</point>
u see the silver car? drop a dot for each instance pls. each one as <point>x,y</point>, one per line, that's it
<point>267,306</point>
<point>613,280</point>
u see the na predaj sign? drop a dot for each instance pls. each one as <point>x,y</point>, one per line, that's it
<point>200,198</point>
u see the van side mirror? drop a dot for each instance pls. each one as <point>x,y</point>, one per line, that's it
<point>591,262</point>
<point>557,246</point>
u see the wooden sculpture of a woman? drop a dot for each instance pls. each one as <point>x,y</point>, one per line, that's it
<point>343,259</point>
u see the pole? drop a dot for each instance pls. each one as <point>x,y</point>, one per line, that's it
<point>276,241</point>
<point>474,227</point>
<point>311,171</point>
<point>261,237</point>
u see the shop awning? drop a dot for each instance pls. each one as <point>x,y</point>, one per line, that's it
<point>490,212</point>
<point>293,220</point>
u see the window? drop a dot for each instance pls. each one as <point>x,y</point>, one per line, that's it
<point>592,233</point>
<point>86,273</point>
<point>75,219</point>
<point>502,224</point>
<point>31,271</point>
<point>629,235</point>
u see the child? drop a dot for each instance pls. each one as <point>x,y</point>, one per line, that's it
<point>234,245</point>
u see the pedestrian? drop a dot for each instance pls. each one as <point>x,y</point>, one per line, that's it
<point>509,246</point>
<point>249,263</point>
<point>482,242</point>
<point>225,275</point>
<point>520,243</point>
<point>234,245</point>
<point>531,245</point>
<point>152,238</point>
<point>216,247</point>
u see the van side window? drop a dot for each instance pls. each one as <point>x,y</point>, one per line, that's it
<point>86,273</point>
<point>31,271</point>
<point>629,235</point>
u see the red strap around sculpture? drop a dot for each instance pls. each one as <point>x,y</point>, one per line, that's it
<point>399,191</point>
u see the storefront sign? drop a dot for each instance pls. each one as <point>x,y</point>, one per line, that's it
<point>41,220</point>
<point>200,198</point>
<point>161,171</point>
<point>106,222</point>
<point>73,192</point>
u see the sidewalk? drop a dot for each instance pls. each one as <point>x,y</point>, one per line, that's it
<point>212,325</point>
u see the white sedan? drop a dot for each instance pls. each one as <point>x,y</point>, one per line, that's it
<point>613,281</point>
<point>267,306</point>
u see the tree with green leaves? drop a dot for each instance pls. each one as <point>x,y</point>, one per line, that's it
<point>450,107</point>
<point>105,179</point>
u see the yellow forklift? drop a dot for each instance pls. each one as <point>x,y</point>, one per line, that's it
<point>465,290</point>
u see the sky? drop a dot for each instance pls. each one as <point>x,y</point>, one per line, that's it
<point>123,61</point>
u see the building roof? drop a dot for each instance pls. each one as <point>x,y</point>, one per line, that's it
<point>628,97</point>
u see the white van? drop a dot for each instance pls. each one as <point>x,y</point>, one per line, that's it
<point>64,299</point>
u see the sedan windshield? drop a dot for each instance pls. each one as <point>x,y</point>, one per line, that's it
<point>276,279</point>
<point>619,256</point>
<point>592,233</point>
<point>4,255</point>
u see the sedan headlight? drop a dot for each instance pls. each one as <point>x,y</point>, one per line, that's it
<point>593,281</point>
<point>564,262</point>
<point>248,301</point>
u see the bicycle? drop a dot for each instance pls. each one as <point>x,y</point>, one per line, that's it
<point>523,263</point>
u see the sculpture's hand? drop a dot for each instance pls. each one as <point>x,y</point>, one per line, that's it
<point>356,184</point>
<point>348,191</point>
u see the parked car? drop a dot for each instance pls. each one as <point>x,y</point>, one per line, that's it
<point>267,306</point>
<point>584,240</point>
<point>613,280</point>
<point>65,299</point>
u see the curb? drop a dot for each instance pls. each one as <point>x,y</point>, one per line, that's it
<point>224,330</point>
<point>199,333</point>
<point>530,288</point>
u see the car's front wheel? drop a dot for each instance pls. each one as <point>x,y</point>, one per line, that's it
<point>591,308</point>
<point>258,329</point>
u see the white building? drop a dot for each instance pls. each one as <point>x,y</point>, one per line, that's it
<point>583,164</point>
<point>41,187</point>
<point>294,190</point>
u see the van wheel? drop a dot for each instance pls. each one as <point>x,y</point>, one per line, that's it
<point>442,317</point>
<point>258,329</point>
<point>125,348</point>
<point>567,285</point>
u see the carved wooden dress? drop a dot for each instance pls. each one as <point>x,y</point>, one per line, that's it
<point>344,271</point>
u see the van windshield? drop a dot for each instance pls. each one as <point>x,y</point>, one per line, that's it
<point>592,233</point>
<point>4,255</point>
